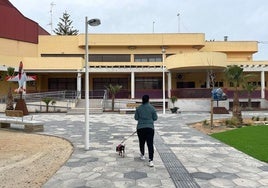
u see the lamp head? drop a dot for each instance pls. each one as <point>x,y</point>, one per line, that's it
<point>94,22</point>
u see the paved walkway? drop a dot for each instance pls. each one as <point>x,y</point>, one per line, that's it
<point>184,157</point>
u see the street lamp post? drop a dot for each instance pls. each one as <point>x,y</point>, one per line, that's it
<point>92,22</point>
<point>163,71</point>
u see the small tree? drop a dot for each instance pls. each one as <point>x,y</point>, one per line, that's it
<point>47,101</point>
<point>173,99</point>
<point>10,102</point>
<point>113,90</point>
<point>65,26</point>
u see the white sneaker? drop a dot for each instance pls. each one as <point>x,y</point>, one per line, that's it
<point>151,164</point>
<point>142,157</point>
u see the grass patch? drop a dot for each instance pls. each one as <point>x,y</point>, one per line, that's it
<point>250,140</point>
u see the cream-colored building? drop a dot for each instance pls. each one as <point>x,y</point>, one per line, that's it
<point>138,62</point>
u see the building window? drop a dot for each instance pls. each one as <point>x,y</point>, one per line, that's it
<point>148,58</point>
<point>109,57</point>
<point>185,84</point>
<point>148,83</point>
<point>55,84</point>
<point>218,84</point>
<point>102,83</point>
<point>62,55</point>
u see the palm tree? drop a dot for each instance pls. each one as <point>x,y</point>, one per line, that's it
<point>47,101</point>
<point>113,90</point>
<point>235,75</point>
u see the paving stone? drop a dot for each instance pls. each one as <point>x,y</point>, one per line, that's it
<point>203,175</point>
<point>225,175</point>
<point>264,168</point>
<point>135,175</point>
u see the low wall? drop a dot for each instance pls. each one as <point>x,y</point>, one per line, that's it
<point>60,106</point>
<point>198,104</point>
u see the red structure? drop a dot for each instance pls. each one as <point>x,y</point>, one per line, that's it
<point>15,26</point>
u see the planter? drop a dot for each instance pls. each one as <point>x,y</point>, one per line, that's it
<point>174,110</point>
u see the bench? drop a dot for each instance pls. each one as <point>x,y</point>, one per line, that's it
<point>16,117</point>
<point>131,108</point>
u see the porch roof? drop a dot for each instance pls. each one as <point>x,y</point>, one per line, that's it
<point>196,60</point>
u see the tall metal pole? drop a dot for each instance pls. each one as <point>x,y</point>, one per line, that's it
<point>163,71</point>
<point>87,89</point>
<point>91,22</point>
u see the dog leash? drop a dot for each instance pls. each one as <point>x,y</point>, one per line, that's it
<point>128,137</point>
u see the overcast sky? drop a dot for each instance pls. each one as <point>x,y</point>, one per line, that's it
<point>238,19</point>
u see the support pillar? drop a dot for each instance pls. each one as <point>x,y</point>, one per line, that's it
<point>208,80</point>
<point>79,81</point>
<point>132,85</point>
<point>262,84</point>
<point>169,84</point>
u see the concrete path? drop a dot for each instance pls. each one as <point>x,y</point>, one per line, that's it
<point>184,157</point>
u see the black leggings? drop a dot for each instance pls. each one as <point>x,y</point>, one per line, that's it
<point>146,135</point>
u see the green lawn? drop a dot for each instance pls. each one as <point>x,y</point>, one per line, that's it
<point>252,140</point>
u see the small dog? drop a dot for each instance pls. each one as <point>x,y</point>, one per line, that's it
<point>121,150</point>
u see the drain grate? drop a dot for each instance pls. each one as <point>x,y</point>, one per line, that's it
<point>178,173</point>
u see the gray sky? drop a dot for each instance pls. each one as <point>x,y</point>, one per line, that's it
<point>238,19</point>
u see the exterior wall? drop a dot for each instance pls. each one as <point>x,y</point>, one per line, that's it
<point>66,64</point>
<point>59,45</point>
<point>184,39</point>
<point>10,47</point>
<point>231,46</point>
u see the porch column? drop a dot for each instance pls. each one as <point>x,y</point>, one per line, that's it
<point>78,88</point>
<point>169,84</point>
<point>208,81</point>
<point>262,84</point>
<point>132,85</point>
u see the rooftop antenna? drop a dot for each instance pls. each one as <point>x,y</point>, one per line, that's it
<point>51,16</point>
<point>178,22</point>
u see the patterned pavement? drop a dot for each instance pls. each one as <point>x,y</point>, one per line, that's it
<point>184,157</point>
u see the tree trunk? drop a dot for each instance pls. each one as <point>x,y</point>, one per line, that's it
<point>113,102</point>
<point>236,107</point>
<point>249,100</point>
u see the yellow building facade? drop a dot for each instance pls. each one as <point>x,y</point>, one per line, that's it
<point>135,61</point>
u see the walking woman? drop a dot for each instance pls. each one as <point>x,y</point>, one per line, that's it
<point>146,115</point>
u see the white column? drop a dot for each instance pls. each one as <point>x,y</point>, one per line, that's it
<point>132,85</point>
<point>262,84</point>
<point>169,84</point>
<point>78,87</point>
<point>208,81</point>
<point>164,81</point>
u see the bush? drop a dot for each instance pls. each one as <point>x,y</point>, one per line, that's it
<point>233,122</point>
